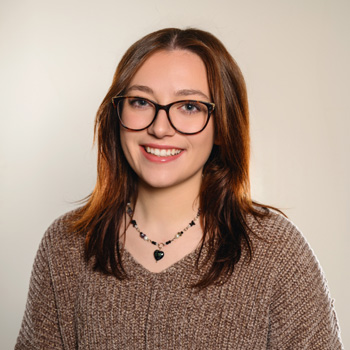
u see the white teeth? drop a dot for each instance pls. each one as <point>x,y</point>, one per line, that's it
<point>162,152</point>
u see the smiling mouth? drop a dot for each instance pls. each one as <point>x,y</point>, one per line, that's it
<point>162,152</point>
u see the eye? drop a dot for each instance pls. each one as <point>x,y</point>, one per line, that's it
<point>136,102</point>
<point>190,107</point>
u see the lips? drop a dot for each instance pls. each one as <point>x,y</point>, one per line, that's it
<point>160,153</point>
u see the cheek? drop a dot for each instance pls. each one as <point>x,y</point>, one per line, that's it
<point>205,143</point>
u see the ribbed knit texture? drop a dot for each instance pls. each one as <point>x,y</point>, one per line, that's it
<point>279,300</point>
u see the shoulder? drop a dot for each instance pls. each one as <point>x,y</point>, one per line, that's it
<point>60,245</point>
<point>276,233</point>
<point>59,232</point>
<point>272,225</point>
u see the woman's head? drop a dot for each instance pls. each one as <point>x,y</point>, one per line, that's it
<point>167,134</point>
<point>230,155</point>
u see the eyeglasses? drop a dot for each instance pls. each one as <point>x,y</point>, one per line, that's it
<point>186,116</point>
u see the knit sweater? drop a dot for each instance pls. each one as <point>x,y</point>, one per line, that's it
<point>278,300</point>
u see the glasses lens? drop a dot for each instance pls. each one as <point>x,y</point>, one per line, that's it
<point>189,116</point>
<point>135,113</point>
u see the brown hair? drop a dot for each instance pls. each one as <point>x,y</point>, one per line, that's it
<point>224,197</point>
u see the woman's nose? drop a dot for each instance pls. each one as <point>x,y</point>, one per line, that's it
<point>161,127</point>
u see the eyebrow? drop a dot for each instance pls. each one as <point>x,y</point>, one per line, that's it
<point>182,92</point>
<point>142,88</point>
<point>188,92</point>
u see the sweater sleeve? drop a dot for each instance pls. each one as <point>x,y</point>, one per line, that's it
<point>40,326</point>
<point>302,314</point>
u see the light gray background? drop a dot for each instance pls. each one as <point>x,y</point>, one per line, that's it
<point>57,62</point>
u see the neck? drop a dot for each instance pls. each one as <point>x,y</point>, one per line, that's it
<point>167,207</point>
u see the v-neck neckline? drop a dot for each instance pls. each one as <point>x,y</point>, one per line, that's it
<point>188,261</point>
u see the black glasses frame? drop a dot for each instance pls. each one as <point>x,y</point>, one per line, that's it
<point>166,108</point>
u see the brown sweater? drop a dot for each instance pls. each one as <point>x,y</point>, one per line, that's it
<point>279,300</point>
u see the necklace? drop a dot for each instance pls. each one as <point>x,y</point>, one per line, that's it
<point>158,253</point>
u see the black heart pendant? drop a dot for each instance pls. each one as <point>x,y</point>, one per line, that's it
<point>158,254</point>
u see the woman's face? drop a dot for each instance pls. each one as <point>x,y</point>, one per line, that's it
<point>165,77</point>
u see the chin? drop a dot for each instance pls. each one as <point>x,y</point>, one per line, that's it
<point>160,184</point>
<point>170,180</point>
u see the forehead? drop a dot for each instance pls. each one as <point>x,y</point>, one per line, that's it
<point>173,70</point>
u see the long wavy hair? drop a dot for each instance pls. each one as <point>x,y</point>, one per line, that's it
<point>224,197</point>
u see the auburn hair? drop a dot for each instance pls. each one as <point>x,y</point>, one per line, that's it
<point>224,196</point>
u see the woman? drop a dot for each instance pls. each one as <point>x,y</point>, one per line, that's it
<point>170,252</point>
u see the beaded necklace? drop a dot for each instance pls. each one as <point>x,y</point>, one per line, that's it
<point>158,253</point>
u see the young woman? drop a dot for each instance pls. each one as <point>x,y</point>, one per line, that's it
<point>170,252</point>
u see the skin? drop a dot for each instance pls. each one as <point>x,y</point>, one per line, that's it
<point>168,186</point>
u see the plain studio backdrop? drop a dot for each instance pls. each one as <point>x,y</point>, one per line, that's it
<point>57,62</point>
